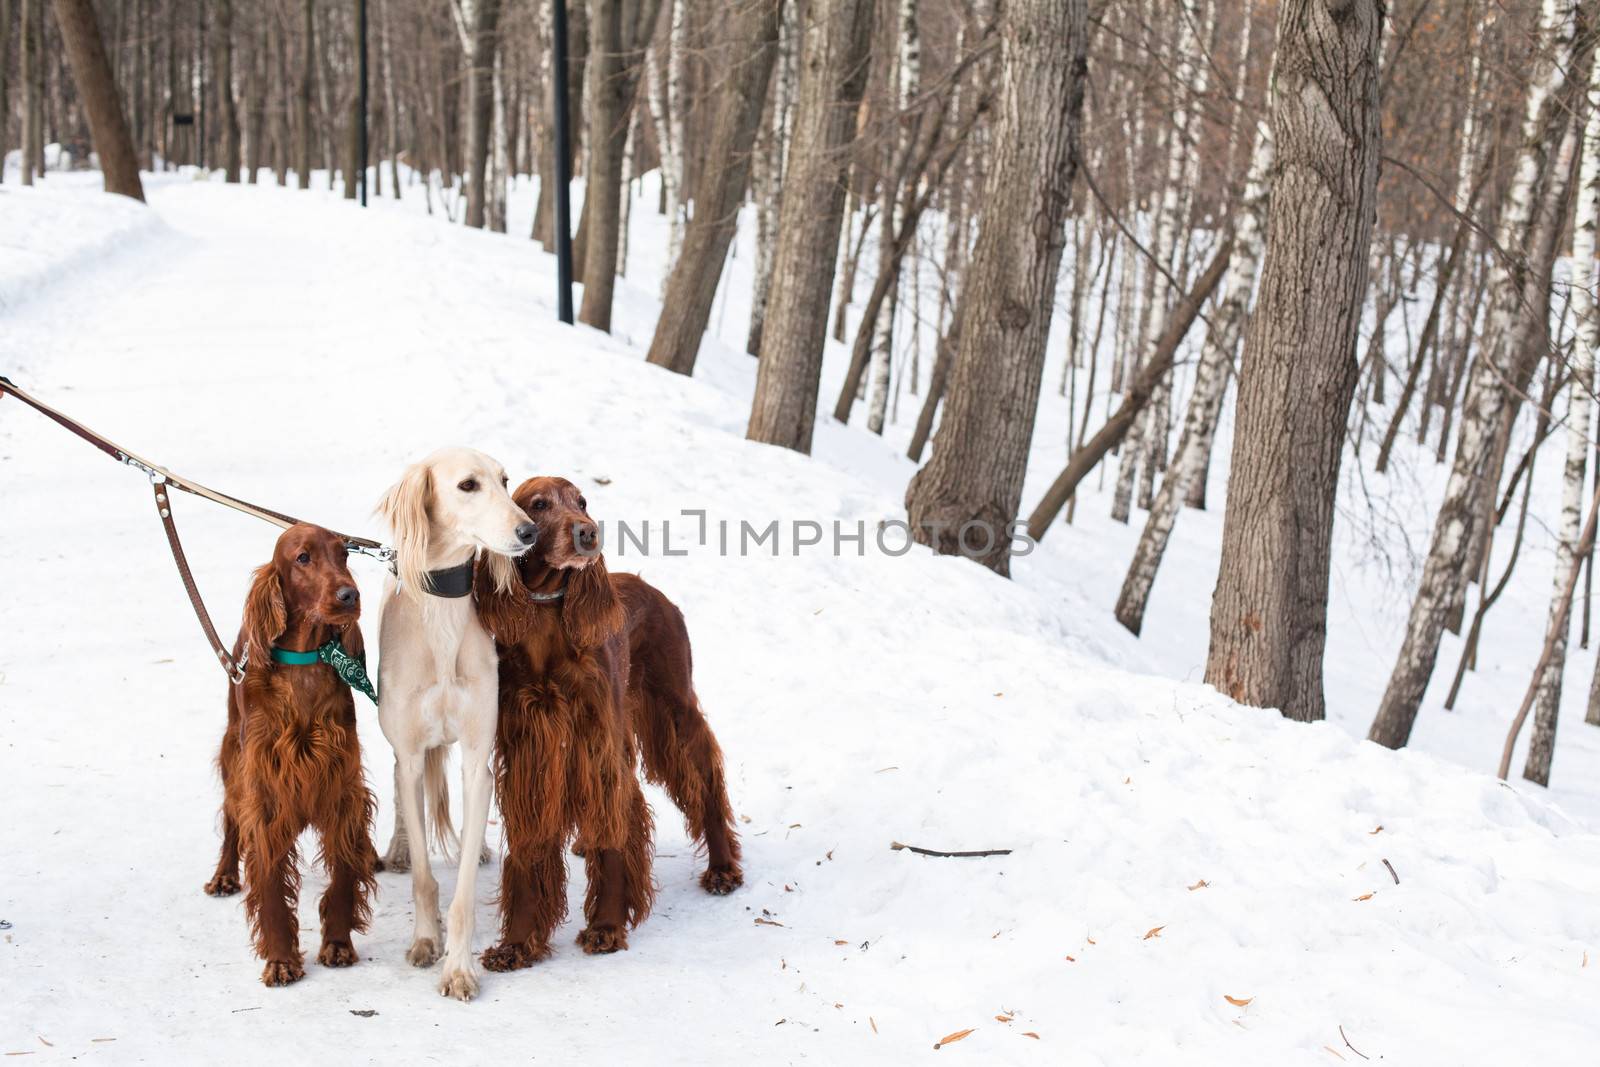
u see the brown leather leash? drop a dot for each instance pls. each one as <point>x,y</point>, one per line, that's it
<point>160,479</point>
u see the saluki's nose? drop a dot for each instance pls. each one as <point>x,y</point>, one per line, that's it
<point>348,595</point>
<point>527,533</point>
<point>587,536</point>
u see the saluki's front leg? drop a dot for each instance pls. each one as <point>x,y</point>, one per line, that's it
<point>460,971</point>
<point>424,890</point>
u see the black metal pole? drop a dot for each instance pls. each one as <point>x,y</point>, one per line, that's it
<point>563,164</point>
<point>361,146</point>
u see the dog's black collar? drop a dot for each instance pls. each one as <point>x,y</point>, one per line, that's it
<point>452,582</point>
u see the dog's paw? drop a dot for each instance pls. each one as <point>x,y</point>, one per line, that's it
<point>223,885</point>
<point>720,881</point>
<point>337,954</point>
<point>282,973</point>
<point>484,856</point>
<point>507,956</point>
<point>459,985</point>
<point>424,952</point>
<point>397,859</point>
<point>599,940</point>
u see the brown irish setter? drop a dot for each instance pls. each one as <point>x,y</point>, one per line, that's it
<point>290,758</point>
<point>594,668</point>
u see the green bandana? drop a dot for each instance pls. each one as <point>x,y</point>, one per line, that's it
<point>352,671</point>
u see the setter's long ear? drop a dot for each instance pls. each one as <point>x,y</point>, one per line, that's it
<point>405,508</point>
<point>590,610</point>
<point>352,640</point>
<point>499,601</point>
<point>265,615</point>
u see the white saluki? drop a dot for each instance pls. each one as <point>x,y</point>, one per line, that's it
<point>437,680</point>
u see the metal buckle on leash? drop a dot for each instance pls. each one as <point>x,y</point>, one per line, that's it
<point>157,477</point>
<point>381,553</point>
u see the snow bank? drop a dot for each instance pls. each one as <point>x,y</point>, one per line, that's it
<point>52,230</point>
<point>1189,881</point>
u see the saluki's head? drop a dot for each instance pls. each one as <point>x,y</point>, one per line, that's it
<point>307,582</point>
<point>452,502</point>
<point>563,571</point>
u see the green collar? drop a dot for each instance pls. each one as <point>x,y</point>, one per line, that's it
<point>350,669</point>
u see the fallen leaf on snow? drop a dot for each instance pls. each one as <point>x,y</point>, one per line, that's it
<point>1237,1002</point>
<point>950,1039</point>
<point>874,1023</point>
<point>1071,959</point>
<point>744,818</point>
<point>1154,931</point>
<point>1030,1033</point>
<point>1585,962</point>
<point>767,922</point>
<point>1333,1050</point>
<point>1089,939</point>
<point>1002,1018</point>
<point>1364,896</point>
<point>1201,884</point>
<point>840,941</point>
<point>1375,830</point>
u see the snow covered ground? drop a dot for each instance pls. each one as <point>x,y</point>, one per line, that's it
<point>1190,881</point>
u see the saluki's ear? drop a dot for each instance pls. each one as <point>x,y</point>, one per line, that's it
<point>265,615</point>
<point>405,508</point>
<point>590,611</point>
<point>497,589</point>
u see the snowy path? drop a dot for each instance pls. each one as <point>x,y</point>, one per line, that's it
<point>298,352</point>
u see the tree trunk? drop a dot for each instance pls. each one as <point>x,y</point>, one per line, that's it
<point>5,84</point>
<point>692,284</point>
<point>771,187</point>
<point>28,46</point>
<point>1443,583</point>
<point>974,479</point>
<point>1541,747</point>
<point>1210,386</point>
<point>483,40</point>
<point>308,71</point>
<point>833,72</point>
<point>224,79</point>
<point>1141,389</point>
<point>97,88</point>
<point>620,31</point>
<point>1299,371</point>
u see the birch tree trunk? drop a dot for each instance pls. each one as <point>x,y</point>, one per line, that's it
<point>692,284</point>
<point>1299,371</point>
<point>1547,707</point>
<point>1443,581</point>
<point>908,73</point>
<point>836,38</point>
<point>5,84</point>
<point>669,125</point>
<point>97,88</point>
<point>772,158</point>
<point>1169,220</point>
<point>973,483</point>
<point>1210,386</point>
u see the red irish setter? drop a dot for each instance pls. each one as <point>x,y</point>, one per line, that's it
<point>594,667</point>
<point>290,758</point>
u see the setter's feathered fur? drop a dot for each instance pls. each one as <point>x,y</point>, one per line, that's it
<point>589,683</point>
<point>291,759</point>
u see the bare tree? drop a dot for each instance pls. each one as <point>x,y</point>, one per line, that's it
<point>1269,613</point>
<point>752,47</point>
<point>973,482</point>
<point>97,86</point>
<point>837,36</point>
<point>619,31</point>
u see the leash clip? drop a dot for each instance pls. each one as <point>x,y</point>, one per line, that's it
<point>157,477</point>
<point>381,553</point>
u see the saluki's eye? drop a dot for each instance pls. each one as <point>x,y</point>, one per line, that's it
<point>540,504</point>
<point>303,558</point>
<point>583,504</point>
<point>468,485</point>
<point>504,482</point>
